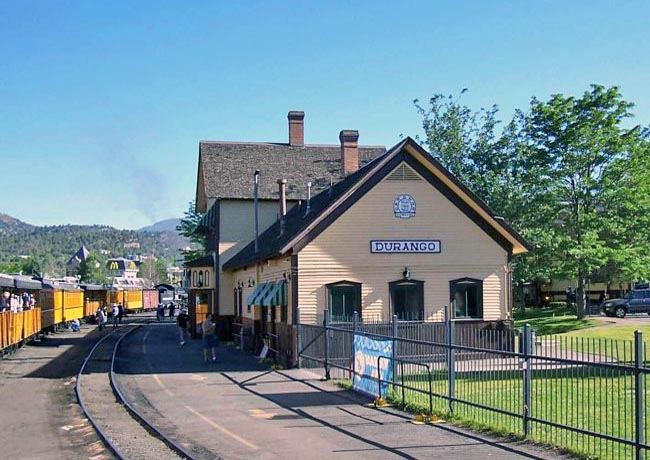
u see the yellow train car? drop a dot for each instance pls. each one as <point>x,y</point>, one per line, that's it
<point>130,298</point>
<point>73,304</point>
<point>19,327</point>
<point>94,298</point>
<point>133,300</point>
<point>61,302</point>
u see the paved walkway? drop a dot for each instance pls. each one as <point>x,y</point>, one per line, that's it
<point>238,409</point>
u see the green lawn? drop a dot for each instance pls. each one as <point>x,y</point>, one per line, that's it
<point>553,321</point>
<point>587,398</point>
<point>614,341</point>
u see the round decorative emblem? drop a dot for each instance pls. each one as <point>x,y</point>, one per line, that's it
<point>404,207</point>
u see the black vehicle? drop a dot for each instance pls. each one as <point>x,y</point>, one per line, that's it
<point>636,301</point>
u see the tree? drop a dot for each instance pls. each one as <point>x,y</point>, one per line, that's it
<point>154,270</point>
<point>627,199</point>
<point>565,174</point>
<point>189,228</point>
<point>580,139</point>
<point>92,270</point>
<point>499,167</point>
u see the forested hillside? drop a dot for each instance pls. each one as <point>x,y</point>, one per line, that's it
<point>26,248</point>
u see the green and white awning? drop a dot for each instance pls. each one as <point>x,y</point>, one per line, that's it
<point>250,300</point>
<point>276,295</point>
<point>258,294</point>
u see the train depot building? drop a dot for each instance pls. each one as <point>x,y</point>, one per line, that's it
<point>394,233</point>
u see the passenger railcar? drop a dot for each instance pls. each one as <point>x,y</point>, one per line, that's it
<point>129,297</point>
<point>60,302</point>
<point>94,298</point>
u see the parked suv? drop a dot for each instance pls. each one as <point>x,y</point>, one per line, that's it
<point>636,301</point>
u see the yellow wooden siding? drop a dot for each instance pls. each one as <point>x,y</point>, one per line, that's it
<point>90,307</point>
<point>58,306</point>
<point>46,300</point>
<point>133,300</point>
<point>16,327</point>
<point>342,252</point>
<point>73,305</point>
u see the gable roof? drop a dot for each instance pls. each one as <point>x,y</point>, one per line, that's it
<point>205,261</point>
<point>301,227</point>
<point>226,169</point>
<point>79,256</point>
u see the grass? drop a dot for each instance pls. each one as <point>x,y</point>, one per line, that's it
<point>546,321</point>
<point>588,398</point>
<point>613,341</point>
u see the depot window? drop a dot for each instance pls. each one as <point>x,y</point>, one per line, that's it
<point>466,296</point>
<point>407,299</point>
<point>344,299</point>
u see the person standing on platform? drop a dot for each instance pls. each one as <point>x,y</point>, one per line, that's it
<point>116,314</point>
<point>181,321</point>
<point>160,312</point>
<point>172,311</point>
<point>101,318</point>
<point>208,329</point>
<point>120,312</point>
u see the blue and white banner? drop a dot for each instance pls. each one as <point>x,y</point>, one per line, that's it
<point>366,362</point>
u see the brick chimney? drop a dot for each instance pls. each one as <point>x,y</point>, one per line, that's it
<point>296,128</point>
<point>349,151</point>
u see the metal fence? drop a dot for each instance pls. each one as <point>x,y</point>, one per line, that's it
<point>584,395</point>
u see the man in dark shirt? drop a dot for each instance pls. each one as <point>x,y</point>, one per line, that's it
<point>181,321</point>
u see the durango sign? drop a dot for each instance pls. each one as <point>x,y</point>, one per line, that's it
<point>405,246</point>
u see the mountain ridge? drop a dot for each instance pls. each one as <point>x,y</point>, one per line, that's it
<point>51,246</point>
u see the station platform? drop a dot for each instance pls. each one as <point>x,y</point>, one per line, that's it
<point>238,408</point>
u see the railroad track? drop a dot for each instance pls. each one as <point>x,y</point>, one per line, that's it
<point>124,431</point>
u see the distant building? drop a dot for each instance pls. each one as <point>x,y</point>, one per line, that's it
<point>72,265</point>
<point>124,273</point>
<point>122,268</point>
<point>174,274</point>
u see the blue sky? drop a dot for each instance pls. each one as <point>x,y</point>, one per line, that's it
<point>102,104</point>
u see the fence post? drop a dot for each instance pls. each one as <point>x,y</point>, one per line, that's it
<point>355,328</point>
<point>526,349</point>
<point>639,390</point>
<point>394,334</point>
<point>451,359</point>
<point>298,338</point>
<point>326,323</point>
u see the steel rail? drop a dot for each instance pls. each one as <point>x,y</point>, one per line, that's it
<point>93,422</point>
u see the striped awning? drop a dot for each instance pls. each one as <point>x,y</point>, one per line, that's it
<point>259,293</point>
<point>266,287</point>
<point>250,300</point>
<point>276,295</point>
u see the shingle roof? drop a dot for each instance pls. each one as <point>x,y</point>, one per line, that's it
<point>297,222</point>
<point>206,261</point>
<point>228,167</point>
<point>270,242</point>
